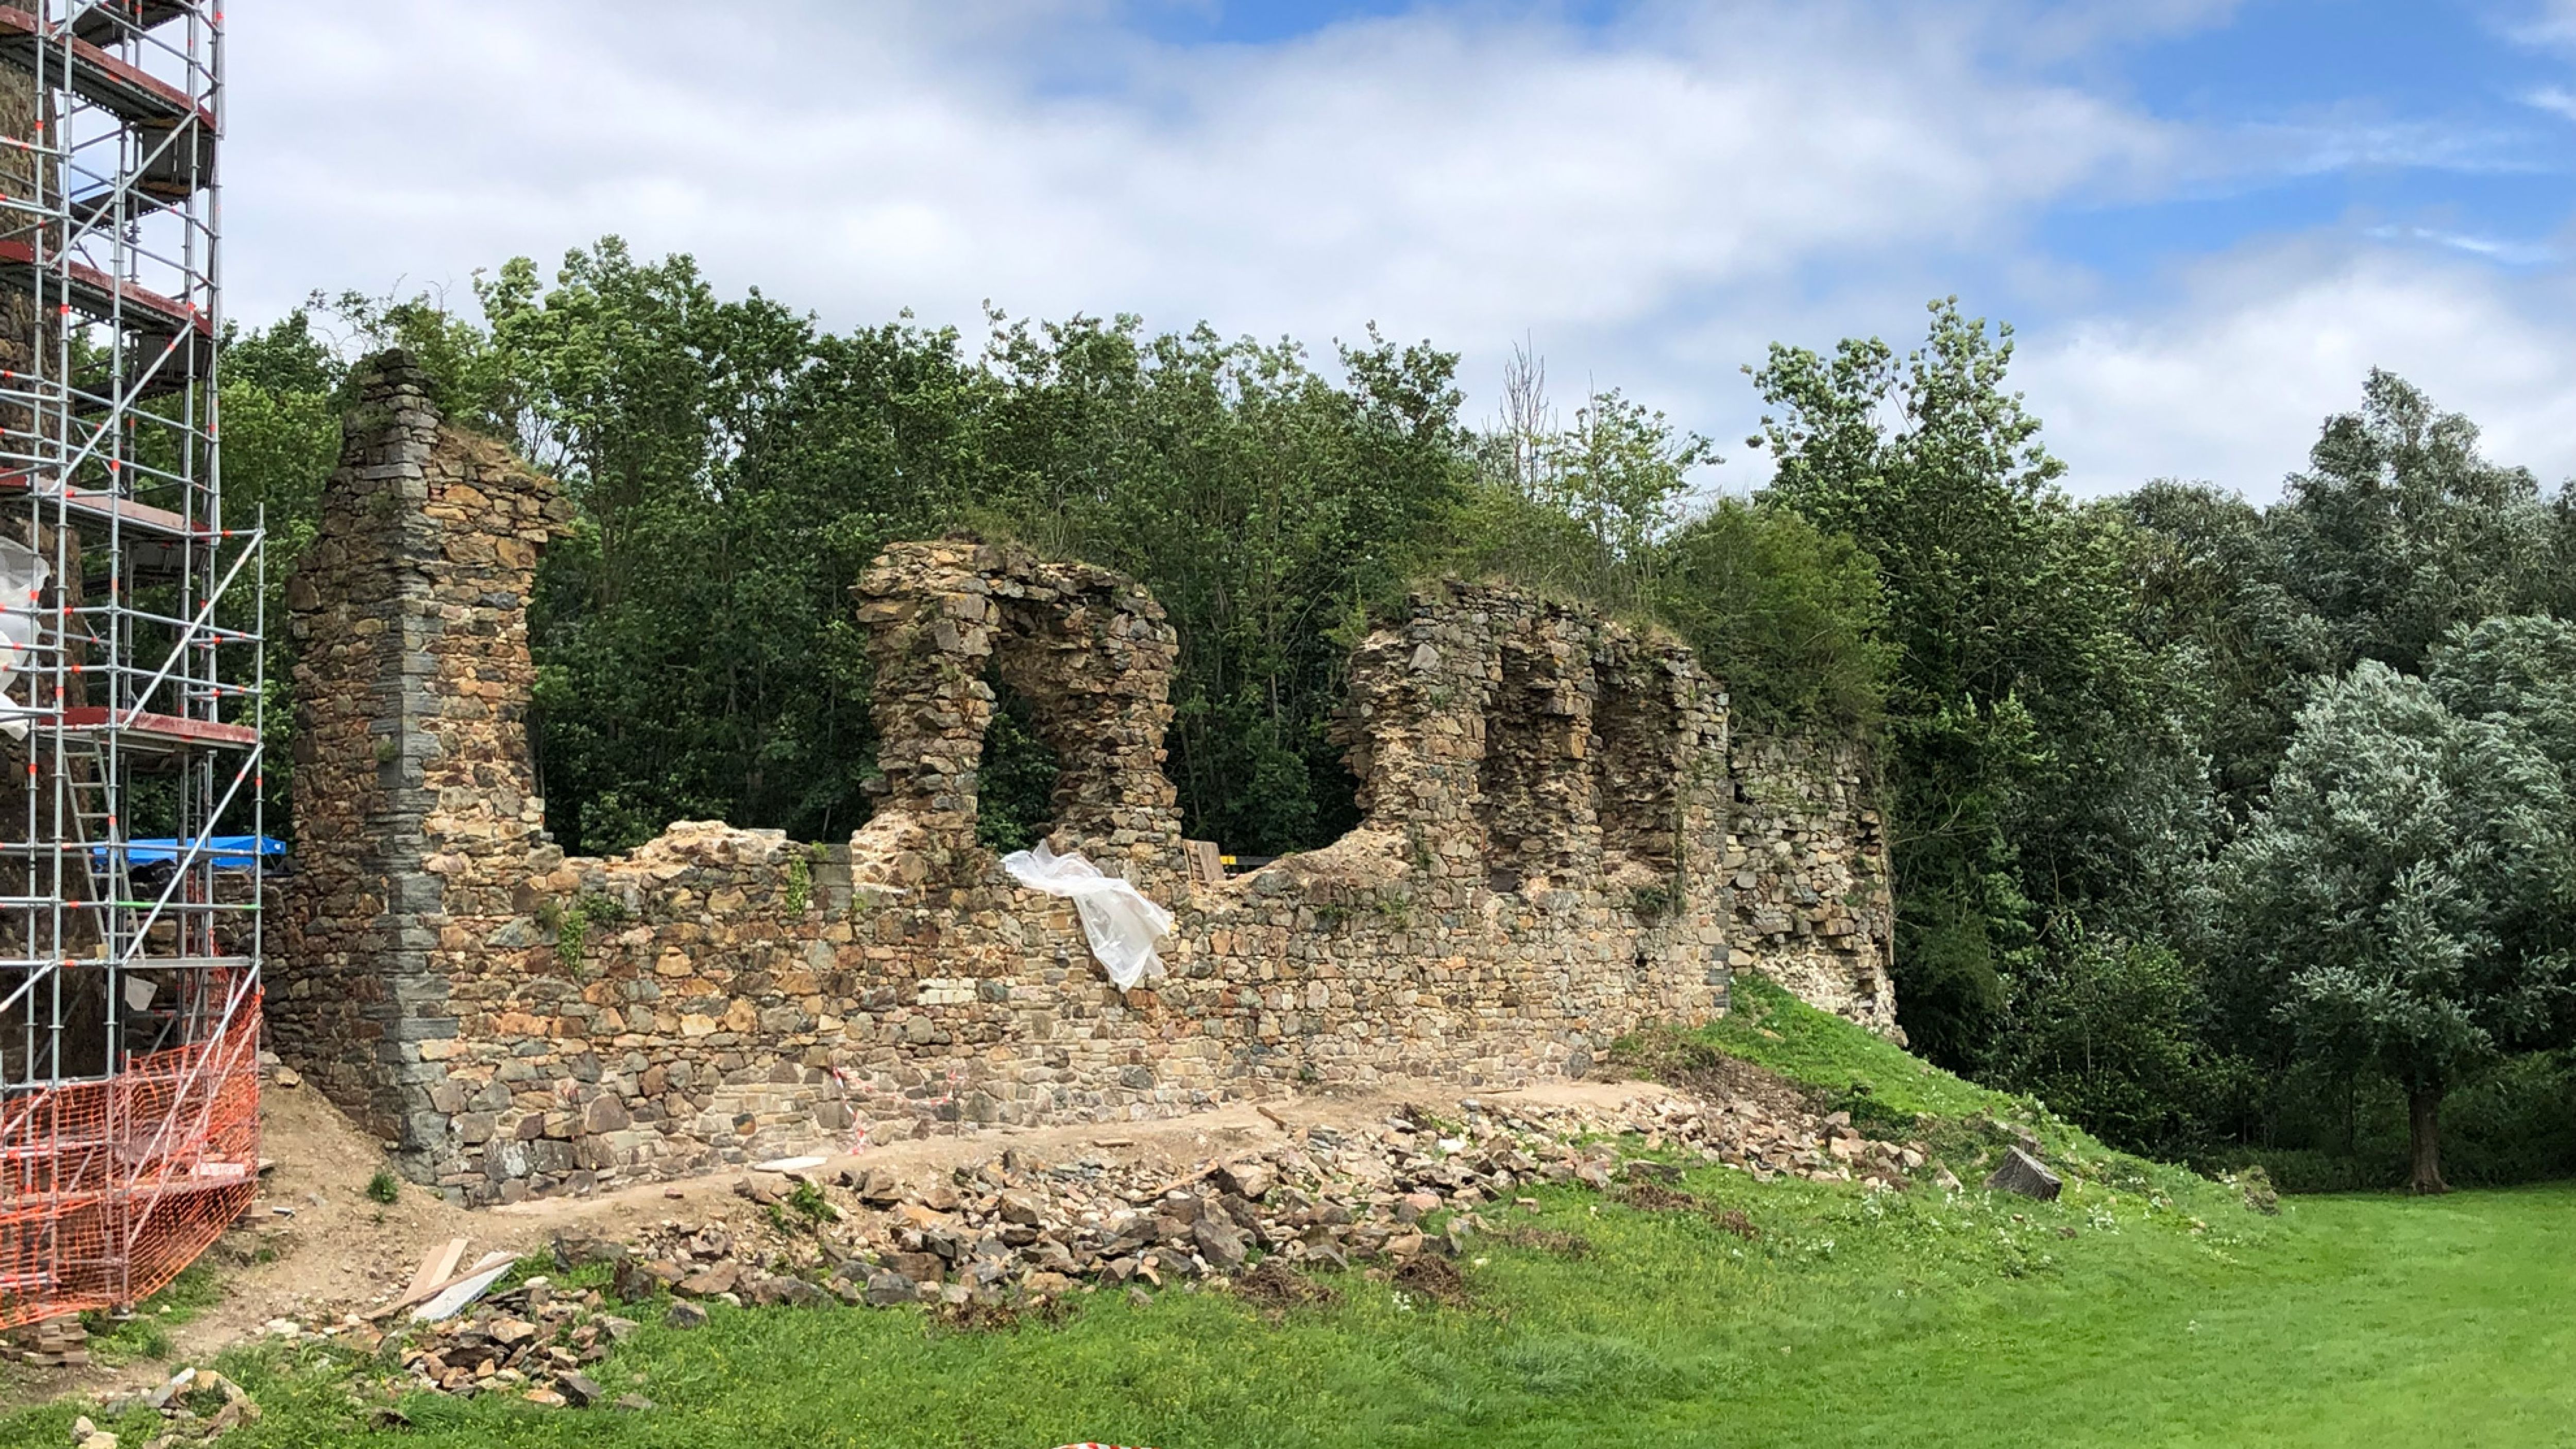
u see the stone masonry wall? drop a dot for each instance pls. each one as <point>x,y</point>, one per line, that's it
<point>412,678</point>
<point>1546,860</point>
<point>1814,905</point>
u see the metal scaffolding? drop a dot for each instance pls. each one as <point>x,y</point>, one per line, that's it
<point>131,678</point>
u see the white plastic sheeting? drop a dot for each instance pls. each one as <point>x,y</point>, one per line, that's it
<point>1122,924</point>
<point>22,579</point>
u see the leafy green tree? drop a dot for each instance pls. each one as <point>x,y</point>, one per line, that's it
<point>2112,1033</point>
<point>2017,692</point>
<point>2400,529</point>
<point>283,390</point>
<point>2386,901</point>
<point>1789,616</point>
<point>2515,670</point>
<point>1586,510</point>
<point>683,634</point>
<point>2207,587</point>
<point>1268,507</point>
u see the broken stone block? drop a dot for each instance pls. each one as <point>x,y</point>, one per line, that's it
<point>1219,1243</point>
<point>1244,1179</point>
<point>2024,1174</point>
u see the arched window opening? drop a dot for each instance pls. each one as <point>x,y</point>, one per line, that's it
<point>1015,784</point>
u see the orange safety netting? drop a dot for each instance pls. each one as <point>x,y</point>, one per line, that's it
<point>109,1188</point>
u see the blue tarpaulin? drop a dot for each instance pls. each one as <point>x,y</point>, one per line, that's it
<point>229,852</point>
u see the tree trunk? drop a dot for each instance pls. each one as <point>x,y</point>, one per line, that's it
<point>2424,1134</point>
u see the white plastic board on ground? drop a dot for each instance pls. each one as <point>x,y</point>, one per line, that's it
<point>453,1298</point>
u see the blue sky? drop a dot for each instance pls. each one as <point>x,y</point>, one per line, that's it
<point>2206,219</point>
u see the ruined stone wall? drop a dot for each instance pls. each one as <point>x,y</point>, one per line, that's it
<point>411,748</point>
<point>1546,861</point>
<point>1814,905</point>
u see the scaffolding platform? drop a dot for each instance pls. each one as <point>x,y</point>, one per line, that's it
<point>99,506</point>
<point>89,71</point>
<point>96,295</point>
<point>108,21</point>
<point>129,962</point>
<point>143,730</point>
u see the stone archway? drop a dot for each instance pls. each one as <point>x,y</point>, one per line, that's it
<point>1090,652</point>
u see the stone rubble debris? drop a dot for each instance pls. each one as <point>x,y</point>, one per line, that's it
<point>196,1406</point>
<point>2025,1174</point>
<point>54,1343</point>
<point>1008,1236</point>
<point>530,1340</point>
<point>1008,1229</point>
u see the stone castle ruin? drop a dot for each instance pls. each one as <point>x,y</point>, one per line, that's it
<point>1560,842</point>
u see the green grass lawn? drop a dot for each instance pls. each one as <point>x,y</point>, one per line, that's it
<point>2159,1312</point>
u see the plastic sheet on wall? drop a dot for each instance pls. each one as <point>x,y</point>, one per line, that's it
<point>1122,924</point>
<point>22,583</point>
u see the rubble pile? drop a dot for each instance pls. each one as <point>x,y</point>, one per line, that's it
<point>54,1343</point>
<point>1008,1236</point>
<point>1010,1229</point>
<point>530,1341</point>
<point>196,1405</point>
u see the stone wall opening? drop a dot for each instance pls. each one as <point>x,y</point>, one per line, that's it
<point>1636,776</point>
<point>1054,725</point>
<point>1017,776</point>
<point>1508,779</point>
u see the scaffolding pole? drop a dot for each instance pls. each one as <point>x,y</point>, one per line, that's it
<point>132,668</point>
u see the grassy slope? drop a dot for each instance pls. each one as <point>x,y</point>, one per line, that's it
<point>1771,1028</point>
<point>1919,1318</point>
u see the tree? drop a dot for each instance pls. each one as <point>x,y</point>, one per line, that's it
<point>2518,669</point>
<point>689,636</point>
<point>1790,617</point>
<point>1586,510</point>
<point>284,389</point>
<point>2111,1033</point>
<point>2386,897</point>
<point>2207,583</point>
<point>2028,727</point>
<point>2400,530</point>
<point>1271,509</point>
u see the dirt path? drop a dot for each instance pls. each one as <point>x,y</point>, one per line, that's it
<point>315,1247</point>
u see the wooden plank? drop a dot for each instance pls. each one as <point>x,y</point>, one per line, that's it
<point>488,1263</point>
<point>1179,1182</point>
<point>165,726</point>
<point>436,1267</point>
<point>1207,863</point>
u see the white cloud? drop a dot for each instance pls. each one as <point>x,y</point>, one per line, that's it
<point>2547,22</point>
<point>2230,381</point>
<point>1651,203</point>
<point>1466,175</point>
<point>2554,101</point>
